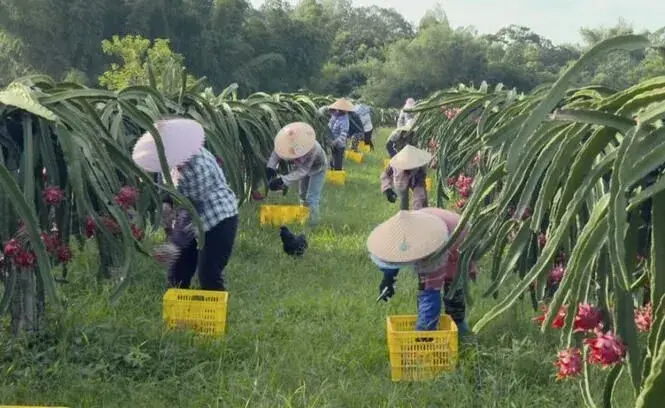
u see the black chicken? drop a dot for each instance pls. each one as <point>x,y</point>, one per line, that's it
<point>294,245</point>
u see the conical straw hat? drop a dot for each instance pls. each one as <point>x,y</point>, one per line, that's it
<point>294,140</point>
<point>342,105</point>
<point>182,139</point>
<point>408,236</point>
<point>410,157</point>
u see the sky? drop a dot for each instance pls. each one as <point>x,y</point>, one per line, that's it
<point>558,20</point>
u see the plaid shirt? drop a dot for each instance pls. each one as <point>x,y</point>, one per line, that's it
<point>203,182</point>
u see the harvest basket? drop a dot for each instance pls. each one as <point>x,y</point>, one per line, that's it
<point>277,215</point>
<point>364,147</point>
<point>428,184</point>
<point>386,163</point>
<point>203,311</point>
<point>420,355</point>
<point>353,156</point>
<point>336,176</point>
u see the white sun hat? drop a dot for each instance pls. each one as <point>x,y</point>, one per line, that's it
<point>410,157</point>
<point>295,140</point>
<point>408,236</point>
<point>182,139</point>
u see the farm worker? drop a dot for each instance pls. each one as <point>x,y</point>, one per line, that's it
<point>414,239</point>
<point>197,176</point>
<point>296,143</point>
<point>407,170</point>
<point>355,130</point>
<point>405,117</point>
<point>399,138</point>
<point>339,129</point>
<point>365,113</point>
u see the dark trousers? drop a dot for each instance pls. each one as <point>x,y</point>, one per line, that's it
<point>368,139</point>
<point>337,158</point>
<point>211,260</point>
<point>456,306</point>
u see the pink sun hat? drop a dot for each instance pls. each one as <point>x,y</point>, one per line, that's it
<point>182,139</point>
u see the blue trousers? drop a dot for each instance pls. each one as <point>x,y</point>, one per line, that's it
<point>311,188</point>
<point>429,309</point>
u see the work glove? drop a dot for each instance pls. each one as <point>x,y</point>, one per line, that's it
<point>391,196</point>
<point>271,173</point>
<point>276,184</point>
<point>387,288</point>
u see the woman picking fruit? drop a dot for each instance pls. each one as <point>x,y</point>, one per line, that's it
<point>407,170</point>
<point>197,176</point>
<point>296,143</point>
<point>402,136</point>
<point>339,129</point>
<point>415,239</point>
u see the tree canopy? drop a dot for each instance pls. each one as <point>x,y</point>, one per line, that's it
<point>325,46</point>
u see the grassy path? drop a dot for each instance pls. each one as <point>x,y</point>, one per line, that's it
<point>302,333</point>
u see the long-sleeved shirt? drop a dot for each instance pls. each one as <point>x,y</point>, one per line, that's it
<point>202,181</point>
<point>433,273</point>
<point>365,113</point>
<point>404,118</point>
<point>339,127</point>
<point>315,161</point>
<point>401,180</point>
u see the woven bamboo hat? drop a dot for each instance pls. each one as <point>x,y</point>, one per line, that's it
<point>410,157</point>
<point>182,139</point>
<point>407,236</point>
<point>342,105</point>
<point>295,140</point>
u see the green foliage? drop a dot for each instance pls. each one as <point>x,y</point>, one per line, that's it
<point>329,47</point>
<point>302,333</point>
<point>587,164</point>
<point>136,53</point>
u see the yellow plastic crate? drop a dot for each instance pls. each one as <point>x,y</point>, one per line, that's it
<point>203,311</point>
<point>386,163</point>
<point>353,156</point>
<point>428,183</point>
<point>336,176</point>
<point>277,215</point>
<point>364,147</point>
<point>420,355</point>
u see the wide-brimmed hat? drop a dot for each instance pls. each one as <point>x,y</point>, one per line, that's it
<point>342,105</point>
<point>294,140</point>
<point>408,236</point>
<point>410,157</point>
<point>182,139</point>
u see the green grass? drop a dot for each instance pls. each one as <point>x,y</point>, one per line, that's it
<point>301,333</point>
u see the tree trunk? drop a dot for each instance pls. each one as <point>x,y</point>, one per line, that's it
<point>25,309</point>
